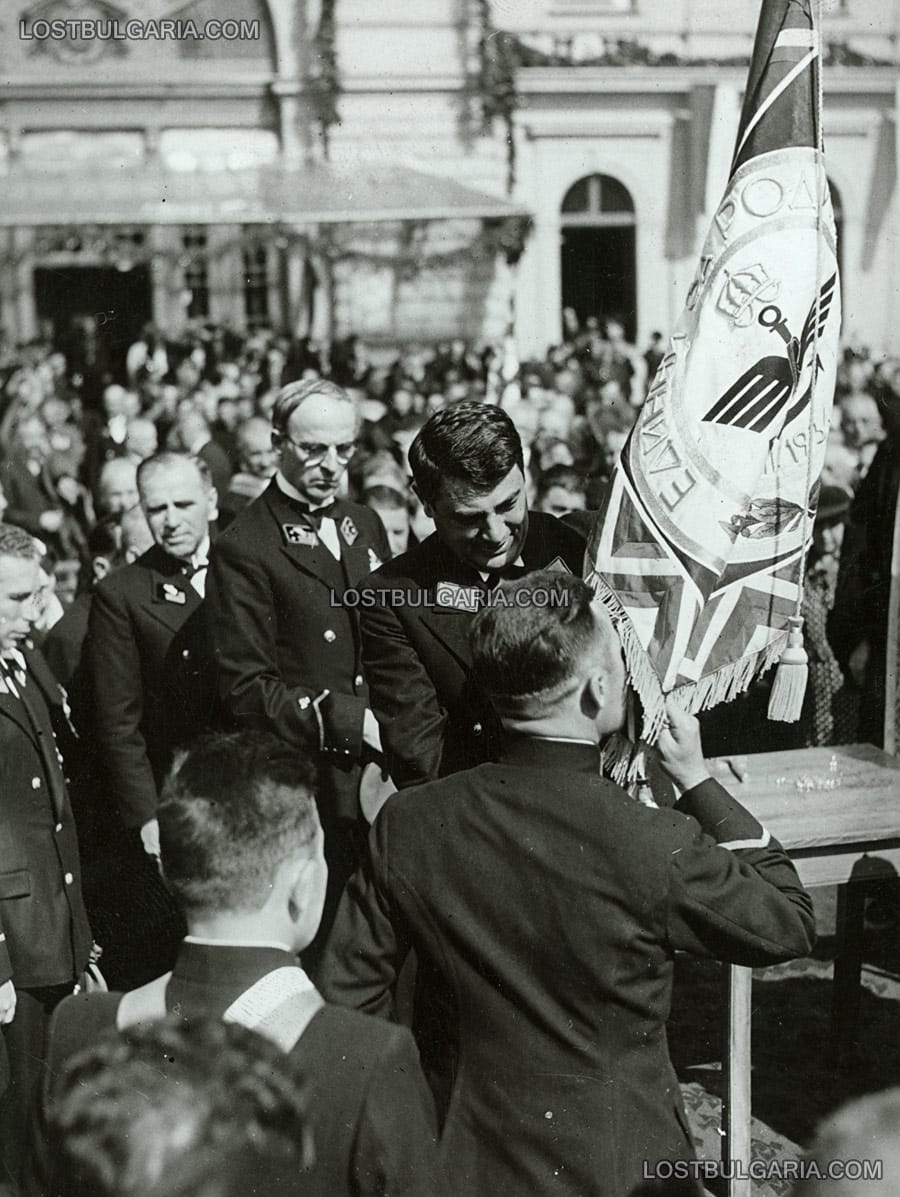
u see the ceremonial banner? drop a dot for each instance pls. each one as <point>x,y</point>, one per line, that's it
<point>698,551</point>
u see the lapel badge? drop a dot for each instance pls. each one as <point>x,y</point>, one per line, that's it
<point>170,593</point>
<point>558,566</point>
<point>375,561</point>
<point>300,534</point>
<point>457,598</point>
<point>348,529</point>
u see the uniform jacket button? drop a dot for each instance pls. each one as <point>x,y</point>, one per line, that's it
<point>186,654</point>
<point>58,828</point>
<point>358,680</point>
<point>35,783</point>
<point>328,636</point>
<point>68,878</point>
<point>477,729</point>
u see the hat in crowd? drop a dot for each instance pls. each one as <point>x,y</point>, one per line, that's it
<point>834,503</point>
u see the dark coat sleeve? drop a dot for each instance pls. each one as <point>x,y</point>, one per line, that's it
<point>241,607</point>
<point>403,697</point>
<point>733,893</point>
<point>116,682</point>
<point>396,1145</point>
<point>368,942</point>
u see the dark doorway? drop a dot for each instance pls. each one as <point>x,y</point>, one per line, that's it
<point>598,274</point>
<point>118,302</point>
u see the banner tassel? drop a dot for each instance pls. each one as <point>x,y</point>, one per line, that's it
<point>789,686</point>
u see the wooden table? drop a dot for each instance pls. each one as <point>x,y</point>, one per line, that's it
<point>835,836</point>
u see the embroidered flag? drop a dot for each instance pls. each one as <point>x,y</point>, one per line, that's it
<point>698,551</point>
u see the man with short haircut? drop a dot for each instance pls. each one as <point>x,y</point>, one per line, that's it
<point>141,439</point>
<point>561,490</point>
<point>116,487</point>
<point>288,649</point>
<point>242,850</point>
<point>545,907</point>
<point>257,461</point>
<point>392,508</point>
<point>44,934</point>
<point>149,656</point>
<point>468,472</point>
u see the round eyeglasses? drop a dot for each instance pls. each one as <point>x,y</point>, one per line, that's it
<point>313,453</point>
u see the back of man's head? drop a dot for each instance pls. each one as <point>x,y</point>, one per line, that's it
<point>529,646</point>
<point>234,809</point>
<point>179,1107</point>
<point>472,445</point>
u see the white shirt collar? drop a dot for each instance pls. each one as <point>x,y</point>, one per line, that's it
<point>201,556</point>
<point>287,488</point>
<point>203,941</point>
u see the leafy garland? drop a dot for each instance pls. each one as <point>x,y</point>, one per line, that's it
<point>497,235</point>
<point>325,84</point>
<point>494,83</point>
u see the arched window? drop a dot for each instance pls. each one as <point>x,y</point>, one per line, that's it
<point>598,259</point>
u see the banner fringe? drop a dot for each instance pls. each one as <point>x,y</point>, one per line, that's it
<point>623,759</point>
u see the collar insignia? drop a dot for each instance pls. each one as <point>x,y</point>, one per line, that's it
<point>299,534</point>
<point>170,593</point>
<point>348,529</point>
<point>457,598</point>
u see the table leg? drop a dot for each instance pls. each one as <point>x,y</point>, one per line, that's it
<point>851,905</point>
<point>737,984</point>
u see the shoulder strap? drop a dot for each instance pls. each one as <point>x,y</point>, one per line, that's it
<point>145,1004</point>
<point>279,1006</point>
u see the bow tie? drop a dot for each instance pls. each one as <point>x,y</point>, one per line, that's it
<point>195,572</point>
<point>315,515</point>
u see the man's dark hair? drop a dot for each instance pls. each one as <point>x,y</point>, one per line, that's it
<point>233,809</point>
<point>564,476</point>
<point>473,445</point>
<point>527,645</point>
<point>178,1106</point>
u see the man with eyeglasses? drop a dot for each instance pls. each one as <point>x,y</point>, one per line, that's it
<point>288,646</point>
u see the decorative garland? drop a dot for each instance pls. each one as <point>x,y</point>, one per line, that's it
<point>624,52</point>
<point>498,235</point>
<point>494,84</point>
<point>325,84</point>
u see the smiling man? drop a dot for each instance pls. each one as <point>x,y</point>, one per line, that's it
<point>416,610</point>
<point>150,660</point>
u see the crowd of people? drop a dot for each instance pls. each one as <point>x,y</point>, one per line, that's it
<point>246,614</point>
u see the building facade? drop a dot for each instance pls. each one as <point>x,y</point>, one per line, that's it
<point>337,166</point>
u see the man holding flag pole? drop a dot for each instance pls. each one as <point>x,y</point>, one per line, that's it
<point>699,551</point>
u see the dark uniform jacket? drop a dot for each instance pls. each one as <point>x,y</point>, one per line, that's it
<point>152,675</point>
<point>44,934</point>
<point>434,720</point>
<point>288,650</point>
<point>371,1114</point>
<point>547,905</point>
